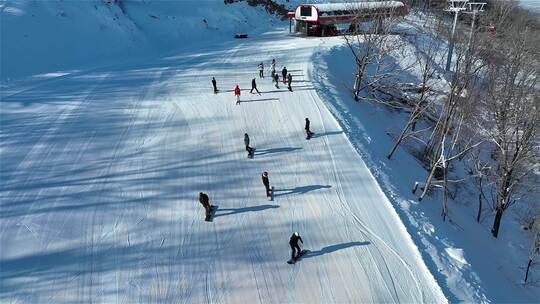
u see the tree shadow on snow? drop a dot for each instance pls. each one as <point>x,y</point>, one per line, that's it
<point>299,190</point>
<point>231,211</point>
<point>333,248</point>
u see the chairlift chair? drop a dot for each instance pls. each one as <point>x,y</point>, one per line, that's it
<point>457,5</point>
<point>475,7</point>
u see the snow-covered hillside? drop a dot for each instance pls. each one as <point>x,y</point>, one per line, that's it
<point>109,130</point>
<point>65,36</point>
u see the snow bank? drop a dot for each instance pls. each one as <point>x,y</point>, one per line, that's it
<point>466,261</point>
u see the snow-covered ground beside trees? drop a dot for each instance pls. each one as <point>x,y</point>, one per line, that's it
<point>109,130</point>
<point>460,252</point>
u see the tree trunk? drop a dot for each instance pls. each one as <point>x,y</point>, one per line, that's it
<point>428,181</point>
<point>444,211</point>
<point>497,222</point>
<point>527,271</point>
<point>479,208</point>
<point>398,141</point>
<point>357,81</point>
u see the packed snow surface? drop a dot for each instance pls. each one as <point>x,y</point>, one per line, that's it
<point>101,171</point>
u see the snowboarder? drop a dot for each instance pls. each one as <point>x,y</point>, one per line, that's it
<point>237,94</point>
<point>276,79</point>
<point>273,67</point>
<point>214,84</point>
<point>254,87</point>
<point>261,70</point>
<point>249,149</point>
<point>284,74</point>
<point>308,131</point>
<point>266,184</point>
<point>295,248</point>
<point>289,81</point>
<point>203,199</point>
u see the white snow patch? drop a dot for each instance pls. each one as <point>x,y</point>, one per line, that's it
<point>458,256</point>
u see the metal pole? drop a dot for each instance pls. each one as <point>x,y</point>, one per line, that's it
<point>451,46</point>
<point>472,29</point>
<point>290,24</point>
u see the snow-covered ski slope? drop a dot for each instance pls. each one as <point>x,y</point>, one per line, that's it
<point>101,172</point>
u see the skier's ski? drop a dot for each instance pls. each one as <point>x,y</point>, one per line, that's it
<point>302,253</point>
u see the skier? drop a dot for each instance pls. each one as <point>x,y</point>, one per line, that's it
<point>249,149</point>
<point>254,87</point>
<point>214,84</point>
<point>276,79</point>
<point>266,183</point>
<point>284,74</point>
<point>261,70</point>
<point>237,94</point>
<point>295,248</point>
<point>203,199</point>
<point>308,131</point>
<point>273,67</point>
<point>289,81</point>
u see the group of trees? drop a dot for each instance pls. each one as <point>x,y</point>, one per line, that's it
<point>487,118</point>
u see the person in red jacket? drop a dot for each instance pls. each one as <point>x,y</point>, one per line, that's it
<point>237,94</point>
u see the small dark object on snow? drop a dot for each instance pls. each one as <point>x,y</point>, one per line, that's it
<point>240,36</point>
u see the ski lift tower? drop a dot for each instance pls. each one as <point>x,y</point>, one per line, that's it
<point>474,9</point>
<point>454,6</point>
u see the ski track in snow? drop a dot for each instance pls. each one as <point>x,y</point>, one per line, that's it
<point>103,170</point>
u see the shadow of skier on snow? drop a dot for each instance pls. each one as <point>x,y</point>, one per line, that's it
<point>300,190</point>
<point>276,150</point>
<point>261,99</point>
<point>231,211</point>
<point>333,248</point>
<point>326,134</point>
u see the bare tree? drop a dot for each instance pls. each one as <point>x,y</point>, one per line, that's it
<point>454,134</point>
<point>479,169</point>
<point>427,51</point>
<point>370,43</point>
<point>512,102</point>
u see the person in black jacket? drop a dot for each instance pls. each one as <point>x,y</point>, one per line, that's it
<point>295,248</point>
<point>284,74</point>
<point>289,82</point>
<point>249,149</point>
<point>205,201</point>
<point>266,183</point>
<point>214,84</point>
<point>308,131</point>
<point>254,87</point>
<point>276,78</point>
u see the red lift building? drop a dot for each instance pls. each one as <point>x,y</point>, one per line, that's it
<point>321,19</point>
